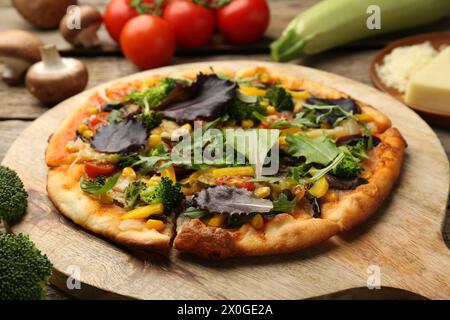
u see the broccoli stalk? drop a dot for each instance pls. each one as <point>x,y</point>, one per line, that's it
<point>24,270</point>
<point>165,192</point>
<point>13,197</point>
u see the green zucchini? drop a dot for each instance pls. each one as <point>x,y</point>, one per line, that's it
<point>332,23</point>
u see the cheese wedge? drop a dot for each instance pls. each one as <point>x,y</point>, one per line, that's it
<point>429,88</point>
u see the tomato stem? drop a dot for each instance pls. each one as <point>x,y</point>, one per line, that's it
<point>213,4</point>
<point>148,8</point>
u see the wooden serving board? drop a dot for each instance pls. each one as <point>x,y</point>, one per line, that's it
<point>403,239</point>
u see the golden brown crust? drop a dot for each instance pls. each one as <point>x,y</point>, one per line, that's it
<point>63,187</point>
<point>282,234</point>
<point>358,205</point>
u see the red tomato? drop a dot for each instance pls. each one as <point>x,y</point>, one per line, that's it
<point>148,41</point>
<point>193,24</point>
<point>243,21</point>
<point>99,118</point>
<point>96,169</point>
<point>117,14</point>
<point>238,182</point>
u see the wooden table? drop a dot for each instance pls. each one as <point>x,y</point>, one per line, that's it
<point>18,108</point>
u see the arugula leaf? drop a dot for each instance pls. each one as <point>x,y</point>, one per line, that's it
<point>322,172</point>
<point>100,185</point>
<point>195,213</point>
<point>282,204</point>
<point>321,149</point>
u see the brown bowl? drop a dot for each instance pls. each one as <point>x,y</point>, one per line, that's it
<point>437,40</point>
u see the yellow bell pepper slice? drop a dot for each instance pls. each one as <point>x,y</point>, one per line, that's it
<point>144,212</point>
<point>319,188</point>
<point>252,91</point>
<point>169,172</point>
<point>365,117</point>
<point>300,95</point>
<point>233,171</point>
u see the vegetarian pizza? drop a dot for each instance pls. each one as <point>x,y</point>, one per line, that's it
<point>221,163</point>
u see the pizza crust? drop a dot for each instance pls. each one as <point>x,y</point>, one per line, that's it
<point>63,187</point>
<point>282,234</point>
<point>358,205</point>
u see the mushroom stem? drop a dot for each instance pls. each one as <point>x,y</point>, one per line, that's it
<point>88,38</point>
<point>51,57</point>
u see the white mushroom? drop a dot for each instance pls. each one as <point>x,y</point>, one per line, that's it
<point>18,51</point>
<point>44,14</point>
<point>84,34</point>
<point>54,78</point>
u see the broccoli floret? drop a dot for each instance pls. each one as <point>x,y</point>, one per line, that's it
<point>240,110</point>
<point>13,197</point>
<point>166,192</point>
<point>280,98</point>
<point>133,194</point>
<point>154,96</point>
<point>151,119</point>
<point>348,168</point>
<point>24,270</point>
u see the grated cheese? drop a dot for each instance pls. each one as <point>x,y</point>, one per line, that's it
<point>403,62</point>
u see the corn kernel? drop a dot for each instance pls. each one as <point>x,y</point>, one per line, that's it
<point>144,212</point>
<point>247,123</point>
<point>319,188</point>
<point>257,221</point>
<point>282,140</point>
<point>364,117</point>
<point>262,192</point>
<point>154,140</point>
<point>92,110</point>
<point>129,173</point>
<point>88,134</point>
<point>157,225</point>
<point>82,128</point>
<point>271,110</point>
<point>217,220</point>
<point>264,103</point>
<point>187,127</point>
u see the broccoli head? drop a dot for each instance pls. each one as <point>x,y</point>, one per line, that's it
<point>240,110</point>
<point>280,98</point>
<point>24,270</point>
<point>13,197</point>
<point>165,192</point>
<point>151,119</point>
<point>348,168</point>
<point>154,96</point>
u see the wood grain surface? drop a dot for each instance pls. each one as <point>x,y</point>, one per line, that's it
<point>404,239</point>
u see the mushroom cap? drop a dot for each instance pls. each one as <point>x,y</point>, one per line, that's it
<point>55,85</point>
<point>20,44</point>
<point>89,17</point>
<point>44,14</point>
